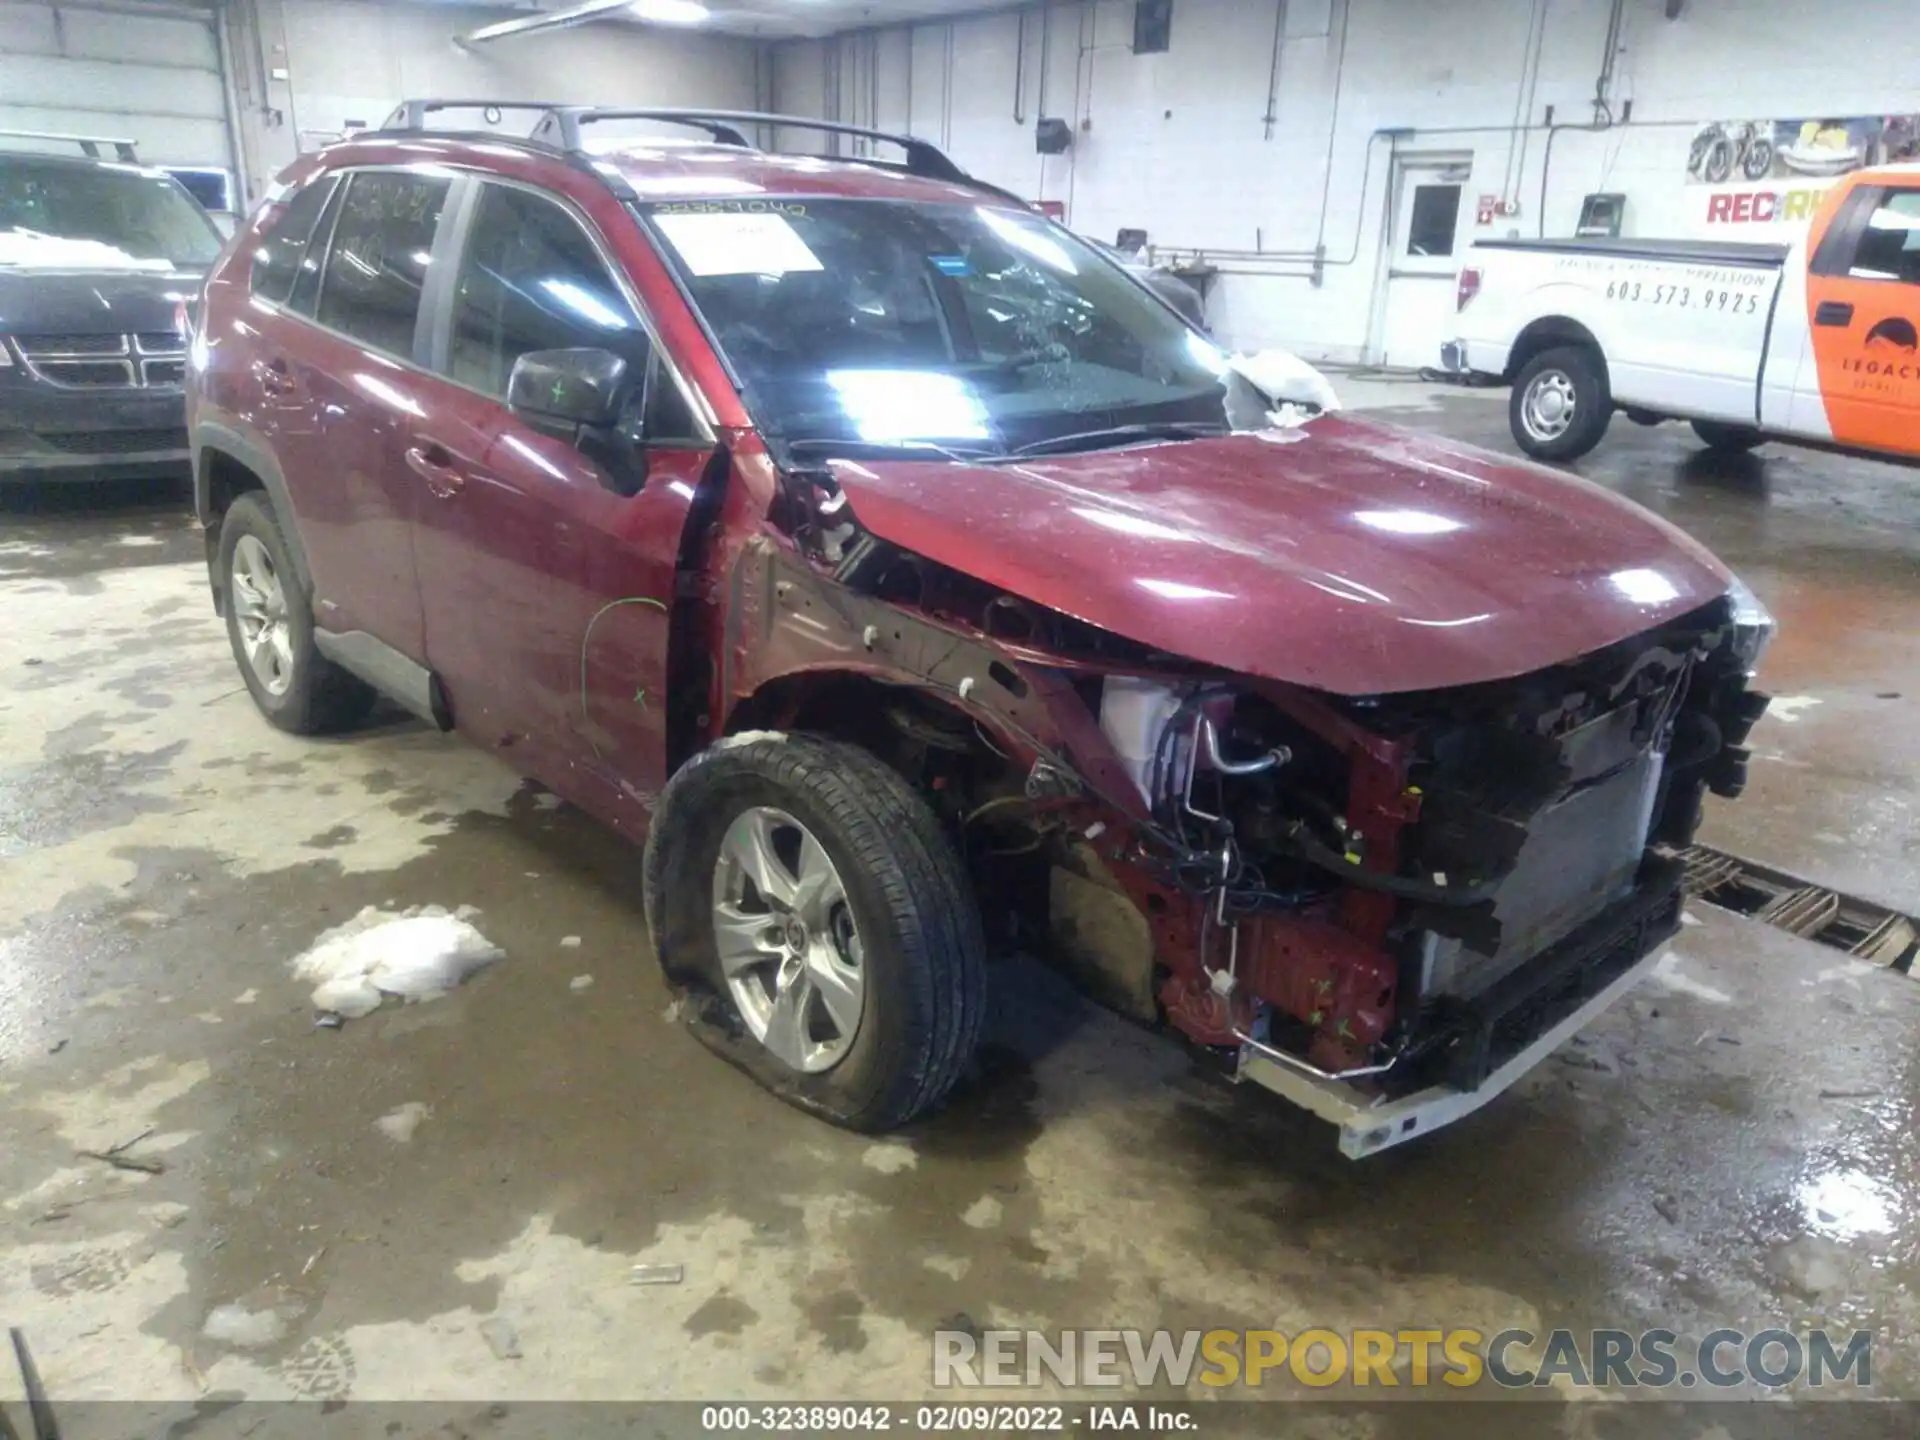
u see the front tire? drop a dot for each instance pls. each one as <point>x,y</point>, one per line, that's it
<point>270,626</point>
<point>1561,403</point>
<point>1728,439</point>
<point>821,924</point>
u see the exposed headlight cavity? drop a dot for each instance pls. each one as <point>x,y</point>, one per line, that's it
<point>1753,625</point>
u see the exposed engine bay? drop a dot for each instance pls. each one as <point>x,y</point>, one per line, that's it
<point>1387,893</point>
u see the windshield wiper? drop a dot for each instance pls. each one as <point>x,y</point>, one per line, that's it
<point>891,449</point>
<point>1124,435</point>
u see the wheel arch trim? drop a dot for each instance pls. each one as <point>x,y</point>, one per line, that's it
<point>229,436</point>
<point>1550,332</point>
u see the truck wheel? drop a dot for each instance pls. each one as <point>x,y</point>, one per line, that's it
<point>821,924</point>
<point>270,625</point>
<point>1731,439</point>
<point>1561,404</point>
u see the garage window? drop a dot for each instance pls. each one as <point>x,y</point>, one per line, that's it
<point>1152,27</point>
<point>277,259</point>
<point>1436,217</point>
<point>382,245</point>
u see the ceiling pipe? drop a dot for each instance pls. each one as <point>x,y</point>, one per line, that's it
<point>546,20</point>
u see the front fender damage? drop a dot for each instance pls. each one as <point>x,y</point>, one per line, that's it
<point>1379,895</point>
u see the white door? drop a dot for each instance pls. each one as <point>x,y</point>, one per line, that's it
<point>1416,305</point>
<point>153,78</point>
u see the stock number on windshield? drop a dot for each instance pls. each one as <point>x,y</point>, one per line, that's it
<point>1686,297</point>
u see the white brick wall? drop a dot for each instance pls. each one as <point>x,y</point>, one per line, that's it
<point>1175,143</point>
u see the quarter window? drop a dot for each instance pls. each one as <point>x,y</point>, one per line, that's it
<point>306,281</point>
<point>377,266</point>
<point>277,257</point>
<point>531,280</point>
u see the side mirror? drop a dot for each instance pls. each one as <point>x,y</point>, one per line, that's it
<point>581,387</point>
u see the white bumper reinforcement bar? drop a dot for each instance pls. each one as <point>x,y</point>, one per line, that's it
<point>1369,1124</point>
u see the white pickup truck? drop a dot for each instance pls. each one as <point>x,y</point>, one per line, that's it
<point>1817,342</point>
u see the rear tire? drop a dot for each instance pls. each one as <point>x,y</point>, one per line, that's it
<point>270,626</point>
<point>904,931</point>
<point>1729,439</point>
<point>1561,403</point>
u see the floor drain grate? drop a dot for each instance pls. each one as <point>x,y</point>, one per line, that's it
<point>1863,929</point>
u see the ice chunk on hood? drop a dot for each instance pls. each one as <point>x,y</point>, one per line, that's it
<point>1285,379</point>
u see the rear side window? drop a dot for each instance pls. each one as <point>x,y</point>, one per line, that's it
<point>277,257</point>
<point>377,266</point>
<point>531,280</point>
<point>1889,246</point>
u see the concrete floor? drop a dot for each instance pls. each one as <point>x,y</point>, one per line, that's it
<point>1735,1145</point>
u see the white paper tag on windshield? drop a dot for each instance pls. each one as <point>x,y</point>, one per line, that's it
<point>738,244</point>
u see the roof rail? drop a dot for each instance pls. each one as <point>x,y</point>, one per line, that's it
<point>416,114</point>
<point>563,128</point>
<point>89,144</point>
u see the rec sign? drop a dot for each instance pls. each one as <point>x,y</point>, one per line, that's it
<point>1764,207</point>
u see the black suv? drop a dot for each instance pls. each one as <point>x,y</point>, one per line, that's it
<point>98,260</point>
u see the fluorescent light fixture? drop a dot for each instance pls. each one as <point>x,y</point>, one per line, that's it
<point>670,12</point>
<point>890,405</point>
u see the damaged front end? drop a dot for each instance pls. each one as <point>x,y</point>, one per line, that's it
<point>1385,908</point>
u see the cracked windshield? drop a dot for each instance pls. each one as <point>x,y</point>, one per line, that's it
<point>975,330</point>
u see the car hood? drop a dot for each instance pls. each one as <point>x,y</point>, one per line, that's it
<point>1344,555</point>
<point>91,302</point>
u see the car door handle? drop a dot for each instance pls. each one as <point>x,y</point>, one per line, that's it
<point>276,378</point>
<point>1833,312</point>
<point>433,464</point>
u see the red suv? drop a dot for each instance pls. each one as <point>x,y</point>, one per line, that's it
<point>917,585</point>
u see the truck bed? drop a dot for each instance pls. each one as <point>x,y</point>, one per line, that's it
<point>1693,252</point>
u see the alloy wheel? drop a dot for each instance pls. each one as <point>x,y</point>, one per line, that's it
<point>788,946</point>
<point>260,607</point>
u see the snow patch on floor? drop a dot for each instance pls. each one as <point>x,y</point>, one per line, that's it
<point>417,954</point>
<point>1667,972</point>
<point>248,1329</point>
<point>399,1125</point>
<point>1787,708</point>
<point>890,1157</point>
<point>983,1214</point>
